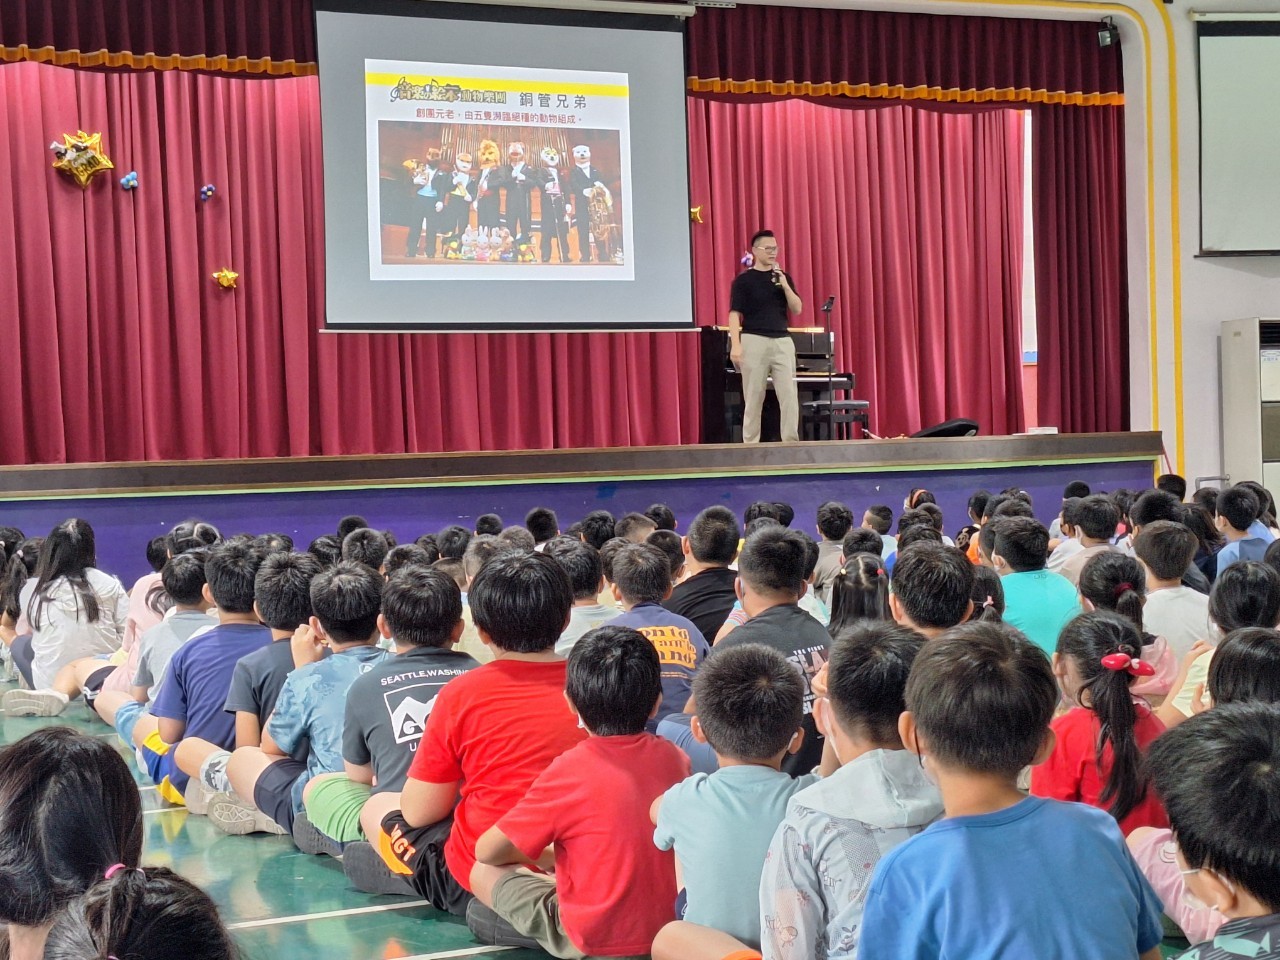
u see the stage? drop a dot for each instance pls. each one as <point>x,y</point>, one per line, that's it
<point>128,503</point>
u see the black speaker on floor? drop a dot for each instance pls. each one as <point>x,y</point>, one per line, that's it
<point>959,427</point>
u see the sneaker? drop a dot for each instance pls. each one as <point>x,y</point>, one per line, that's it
<point>366,871</point>
<point>213,772</point>
<point>310,840</point>
<point>34,703</point>
<point>197,797</point>
<point>232,815</point>
<point>490,929</point>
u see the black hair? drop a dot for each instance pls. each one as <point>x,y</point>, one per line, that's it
<point>1155,505</point>
<point>1218,776</point>
<point>933,584</point>
<point>1112,581</point>
<point>773,561</point>
<point>859,591</point>
<point>608,552</point>
<point>489,523</point>
<point>668,541</point>
<point>1239,505</point>
<point>452,567</point>
<point>987,595</point>
<point>150,914</point>
<point>750,701</point>
<point>786,513</point>
<point>935,514</point>
<point>760,523</point>
<point>1206,497</point>
<point>918,533</point>
<point>157,552</point>
<point>421,606</point>
<point>1085,640</point>
<point>230,570</point>
<point>761,508</point>
<point>982,696</point>
<point>862,540</point>
<point>542,523</point>
<point>1123,500</point>
<point>581,562</point>
<point>1022,541</point>
<point>714,535</point>
<point>613,680</point>
<point>365,546</point>
<point>346,599</point>
<point>192,535</point>
<point>348,524</point>
<point>642,573</point>
<point>282,589</point>
<point>1097,517</point>
<point>1076,488</point>
<point>20,568</point>
<point>597,528</point>
<point>978,503</point>
<point>879,518</point>
<point>273,543</point>
<point>517,538</point>
<point>917,497</point>
<point>452,541</point>
<point>480,550</point>
<point>182,579</point>
<point>1266,502</point>
<point>405,555</point>
<point>662,515</point>
<point>327,549</point>
<point>1166,547</point>
<point>428,543</point>
<point>10,537</point>
<point>1017,493</point>
<point>867,678</point>
<point>1007,506</point>
<point>1246,594</point>
<point>522,601</point>
<point>575,530</point>
<point>811,553</point>
<point>67,552</point>
<point>761,235</point>
<point>632,525</point>
<point>1246,666</point>
<point>1272,555</point>
<point>69,809</point>
<point>1199,521</point>
<point>913,518</point>
<point>834,520</point>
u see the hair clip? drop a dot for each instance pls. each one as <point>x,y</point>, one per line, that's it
<point>989,602</point>
<point>1123,588</point>
<point>1135,666</point>
<point>844,572</point>
<point>880,571</point>
<point>114,869</point>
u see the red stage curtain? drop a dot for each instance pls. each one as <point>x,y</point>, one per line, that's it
<point>1082,289</point>
<point>122,347</point>
<point>911,217</point>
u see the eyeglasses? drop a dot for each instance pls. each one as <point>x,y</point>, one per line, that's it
<point>764,249</point>
<point>1194,902</point>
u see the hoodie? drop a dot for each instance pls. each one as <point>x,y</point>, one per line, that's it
<point>820,862</point>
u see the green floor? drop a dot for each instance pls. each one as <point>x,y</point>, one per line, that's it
<point>281,903</point>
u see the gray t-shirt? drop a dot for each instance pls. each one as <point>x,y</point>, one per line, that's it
<point>161,642</point>
<point>387,710</point>
<point>257,679</point>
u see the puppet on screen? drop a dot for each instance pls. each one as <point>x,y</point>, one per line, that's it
<point>517,179</point>
<point>555,214</point>
<point>488,200</point>
<point>457,205</point>
<point>592,208</point>
<point>426,205</point>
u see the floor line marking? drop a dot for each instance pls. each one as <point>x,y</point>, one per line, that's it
<point>303,917</point>
<point>468,952</point>
<point>148,813</point>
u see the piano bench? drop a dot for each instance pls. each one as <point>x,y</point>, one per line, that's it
<point>816,415</point>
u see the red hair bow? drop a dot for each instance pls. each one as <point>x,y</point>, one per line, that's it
<point>1135,666</point>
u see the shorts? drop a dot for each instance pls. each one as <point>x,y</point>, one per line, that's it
<point>529,902</point>
<point>127,718</point>
<point>417,854</point>
<point>333,807</point>
<point>157,757</point>
<point>93,685</point>
<point>273,793</point>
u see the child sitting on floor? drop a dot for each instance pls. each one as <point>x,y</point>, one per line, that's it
<point>1113,581</point>
<point>612,890</point>
<point>986,881</point>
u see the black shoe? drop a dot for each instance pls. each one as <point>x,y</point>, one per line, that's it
<point>366,871</point>
<point>490,929</point>
<point>310,840</point>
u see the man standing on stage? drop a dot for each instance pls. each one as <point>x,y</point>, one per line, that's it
<point>760,304</point>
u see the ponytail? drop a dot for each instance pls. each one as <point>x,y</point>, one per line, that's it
<point>859,591</point>
<point>1112,581</point>
<point>987,596</point>
<point>1106,651</point>
<point>17,571</point>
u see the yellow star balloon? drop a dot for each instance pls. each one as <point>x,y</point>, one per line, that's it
<point>226,278</point>
<point>81,156</point>
<point>695,214</point>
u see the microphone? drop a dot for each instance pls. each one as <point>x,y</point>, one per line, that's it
<point>831,302</point>
<point>776,276</point>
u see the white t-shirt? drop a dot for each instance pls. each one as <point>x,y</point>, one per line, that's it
<point>65,634</point>
<point>1063,552</point>
<point>1180,615</point>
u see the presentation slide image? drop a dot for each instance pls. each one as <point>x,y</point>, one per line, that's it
<point>527,197</point>
<point>497,172</point>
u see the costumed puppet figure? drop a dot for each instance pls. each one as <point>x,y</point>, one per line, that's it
<point>470,240</point>
<point>506,246</point>
<point>488,204</point>
<point>583,180</point>
<point>462,193</point>
<point>555,211</point>
<point>518,180</point>
<point>430,184</point>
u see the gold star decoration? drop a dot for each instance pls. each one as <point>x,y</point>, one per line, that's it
<point>695,214</point>
<point>81,156</point>
<point>226,278</point>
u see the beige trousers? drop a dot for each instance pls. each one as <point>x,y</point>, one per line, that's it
<point>762,358</point>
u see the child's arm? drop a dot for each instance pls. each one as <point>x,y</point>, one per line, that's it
<point>496,849</point>
<point>1152,954</point>
<point>792,902</point>
<point>139,694</point>
<point>248,729</point>
<point>654,808</point>
<point>423,804</point>
<point>358,772</point>
<point>269,745</point>
<point>170,730</point>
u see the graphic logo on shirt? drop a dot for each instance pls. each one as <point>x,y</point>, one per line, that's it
<point>674,645</point>
<point>409,708</point>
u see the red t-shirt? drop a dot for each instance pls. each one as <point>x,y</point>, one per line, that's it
<point>616,889</point>
<point>1071,772</point>
<point>495,729</point>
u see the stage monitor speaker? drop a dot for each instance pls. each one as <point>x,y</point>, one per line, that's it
<point>958,427</point>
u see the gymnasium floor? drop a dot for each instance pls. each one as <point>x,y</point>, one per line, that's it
<point>281,904</point>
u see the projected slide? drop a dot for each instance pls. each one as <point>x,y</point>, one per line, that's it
<point>501,173</point>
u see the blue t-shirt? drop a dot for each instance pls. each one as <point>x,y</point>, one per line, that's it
<point>311,709</point>
<point>1252,547</point>
<point>1039,603</point>
<point>681,649</point>
<point>199,678</point>
<point>1043,879</point>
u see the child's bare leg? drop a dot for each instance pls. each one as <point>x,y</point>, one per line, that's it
<point>374,810</point>
<point>681,940</point>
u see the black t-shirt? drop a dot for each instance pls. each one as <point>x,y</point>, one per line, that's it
<point>805,642</point>
<point>258,678</point>
<point>387,710</point>
<point>705,598</point>
<point>761,302</point>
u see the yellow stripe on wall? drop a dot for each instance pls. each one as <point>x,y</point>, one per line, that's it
<point>155,61</point>
<point>888,91</point>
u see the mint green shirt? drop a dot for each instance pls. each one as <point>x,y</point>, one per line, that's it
<point>1039,603</point>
